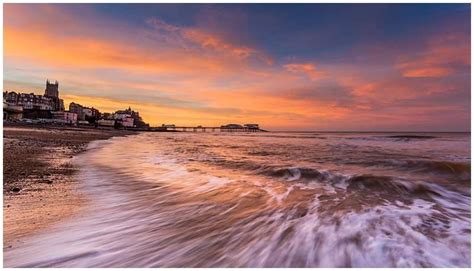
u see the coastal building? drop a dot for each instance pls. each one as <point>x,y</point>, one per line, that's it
<point>64,117</point>
<point>76,108</point>
<point>127,122</point>
<point>137,120</point>
<point>5,106</point>
<point>37,106</point>
<point>11,112</point>
<point>83,122</point>
<point>121,115</point>
<point>123,119</point>
<point>28,100</point>
<point>106,123</point>
<point>32,106</point>
<point>49,108</point>
<point>106,116</point>
<point>89,114</point>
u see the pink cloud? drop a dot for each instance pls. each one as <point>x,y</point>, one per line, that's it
<point>194,37</point>
<point>442,56</point>
<point>307,69</point>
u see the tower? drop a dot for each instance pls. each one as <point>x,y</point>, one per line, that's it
<point>52,90</point>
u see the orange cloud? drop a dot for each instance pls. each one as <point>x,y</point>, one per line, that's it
<point>429,72</point>
<point>83,52</point>
<point>166,49</point>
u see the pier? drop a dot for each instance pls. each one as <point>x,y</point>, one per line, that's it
<point>247,128</point>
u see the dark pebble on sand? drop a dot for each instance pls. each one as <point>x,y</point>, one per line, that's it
<point>16,189</point>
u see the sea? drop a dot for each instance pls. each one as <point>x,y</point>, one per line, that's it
<point>276,199</point>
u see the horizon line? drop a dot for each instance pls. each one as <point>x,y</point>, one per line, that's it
<point>356,131</point>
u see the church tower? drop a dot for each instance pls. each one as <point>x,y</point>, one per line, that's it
<point>52,90</point>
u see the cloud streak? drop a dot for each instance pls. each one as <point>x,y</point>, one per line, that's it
<point>307,69</point>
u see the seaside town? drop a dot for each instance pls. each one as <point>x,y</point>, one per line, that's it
<point>30,108</point>
<point>49,109</point>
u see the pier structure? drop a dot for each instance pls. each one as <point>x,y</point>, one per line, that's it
<point>248,128</point>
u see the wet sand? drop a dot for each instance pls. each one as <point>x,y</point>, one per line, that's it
<point>39,187</point>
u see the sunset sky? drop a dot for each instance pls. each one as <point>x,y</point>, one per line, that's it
<point>285,66</point>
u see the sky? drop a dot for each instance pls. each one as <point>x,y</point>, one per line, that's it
<point>328,67</point>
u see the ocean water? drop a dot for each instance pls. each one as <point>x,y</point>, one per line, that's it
<point>266,200</point>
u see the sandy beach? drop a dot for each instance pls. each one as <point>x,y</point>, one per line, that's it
<point>39,187</point>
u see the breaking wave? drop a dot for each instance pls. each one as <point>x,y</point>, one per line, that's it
<point>192,200</point>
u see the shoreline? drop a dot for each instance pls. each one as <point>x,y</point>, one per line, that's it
<point>39,186</point>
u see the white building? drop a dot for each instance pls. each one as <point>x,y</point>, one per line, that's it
<point>124,118</point>
<point>127,122</point>
<point>87,111</point>
<point>120,116</point>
